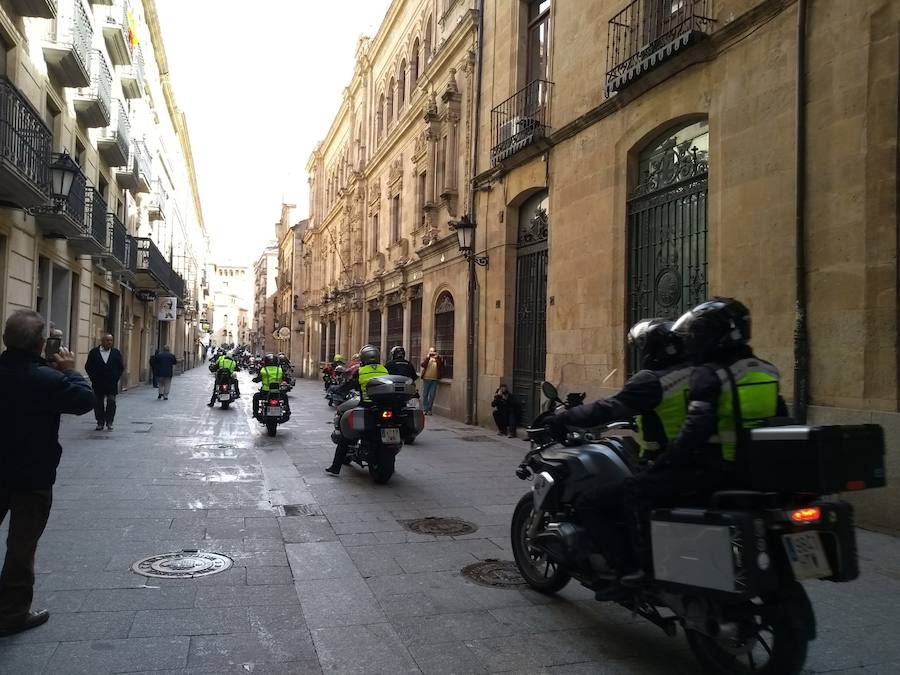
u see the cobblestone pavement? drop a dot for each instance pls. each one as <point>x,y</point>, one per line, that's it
<point>347,589</point>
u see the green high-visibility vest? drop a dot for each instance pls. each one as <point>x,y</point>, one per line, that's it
<point>756,383</point>
<point>366,373</point>
<point>227,363</point>
<point>271,377</point>
<point>671,411</point>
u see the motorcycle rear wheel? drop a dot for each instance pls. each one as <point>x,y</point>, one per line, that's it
<point>272,428</point>
<point>778,647</point>
<point>539,572</point>
<point>225,405</point>
<point>382,468</point>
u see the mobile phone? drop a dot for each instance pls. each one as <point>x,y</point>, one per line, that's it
<point>51,346</point>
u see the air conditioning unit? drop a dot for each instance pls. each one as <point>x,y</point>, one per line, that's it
<point>514,134</point>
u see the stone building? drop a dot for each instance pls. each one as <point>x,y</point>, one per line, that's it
<point>232,304</point>
<point>288,315</point>
<point>382,265</point>
<point>265,285</point>
<point>84,92</point>
<point>636,157</point>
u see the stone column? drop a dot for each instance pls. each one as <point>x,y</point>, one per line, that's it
<point>384,345</point>
<point>327,325</point>
<point>406,323</point>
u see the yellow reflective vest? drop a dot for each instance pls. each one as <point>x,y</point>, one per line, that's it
<point>271,377</point>
<point>366,373</point>
<point>756,383</point>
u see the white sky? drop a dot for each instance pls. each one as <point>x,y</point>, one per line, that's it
<point>260,85</point>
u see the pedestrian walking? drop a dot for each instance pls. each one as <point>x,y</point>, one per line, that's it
<point>507,411</point>
<point>33,394</point>
<point>164,370</point>
<point>432,372</point>
<point>105,367</point>
<point>153,376</point>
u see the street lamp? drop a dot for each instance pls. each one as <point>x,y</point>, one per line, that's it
<point>465,235</point>
<point>62,176</point>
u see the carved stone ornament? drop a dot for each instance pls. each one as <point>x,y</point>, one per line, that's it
<point>431,109</point>
<point>375,193</point>
<point>451,90</point>
<point>421,146</point>
<point>395,173</point>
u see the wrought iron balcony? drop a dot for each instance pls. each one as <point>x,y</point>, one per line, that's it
<point>93,103</point>
<point>65,218</point>
<point>520,121</point>
<point>113,142</point>
<point>115,255</point>
<point>144,168</point>
<point>132,77</point>
<point>44,9</point>
<point>153,271</point>
<point>156,209</point>
<point>24,149</point>
<point>117,31</point>
<point>645,34</point>
<point>130,257</point>
<point>68,47</point>
<point>92,240</point>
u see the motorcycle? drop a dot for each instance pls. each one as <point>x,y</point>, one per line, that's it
<point>225,392</point>
<point>332,392</point>
<point>727,569</point>
<point>374,430</point>
<point>272,412</point>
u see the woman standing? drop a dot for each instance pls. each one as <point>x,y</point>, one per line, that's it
<point>163,370</point>
<point>432,372</point>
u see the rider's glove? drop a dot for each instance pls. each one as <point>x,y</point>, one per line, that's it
<point>557,425</point>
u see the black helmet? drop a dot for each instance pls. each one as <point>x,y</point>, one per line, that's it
<point>369,355</point>
<point>717,325</point>
<point>397,353</point>
<point>270,360</point>
<point>656,344</point>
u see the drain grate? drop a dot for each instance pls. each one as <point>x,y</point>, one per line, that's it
<point>301,510</point>
<point>494,573</point>
<point>440,527</point>
<point>187,564</point>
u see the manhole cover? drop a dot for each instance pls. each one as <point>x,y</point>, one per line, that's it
<point>182,565</point>
<point>494,573</point>
<point>477,439</point>
<point>441,527</point>
<point>300,510</point>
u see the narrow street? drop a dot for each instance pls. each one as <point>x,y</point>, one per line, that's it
<point>346,588</point>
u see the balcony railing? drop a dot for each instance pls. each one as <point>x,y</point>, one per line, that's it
<point>154,271</point>
<point>144,168</point>
<point>132,77</point>
<point>93,103</point>
<point>157,207</point>
<point>65,218</point>
<point>68,47</point>
<point>113,141</point>
<point>25,143</point>
<point>116,253</point>
<point>644,34</point>
<point>130,257</point>
<point>93,239</point>
<point>521,120</point>
<point>117,31</point>
<point>44,9</point>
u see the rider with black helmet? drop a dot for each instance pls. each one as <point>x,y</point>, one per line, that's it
<point>398,365</point>
<point>271,374</point>
<point>730,391</point>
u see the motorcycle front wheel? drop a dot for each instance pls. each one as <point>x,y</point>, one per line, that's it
<point>772,643</point>
<point>539,572</point>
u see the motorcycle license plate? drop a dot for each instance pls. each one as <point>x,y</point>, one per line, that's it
<point>390,436</point>
<point>808,559</point>
<point>224,397</point>
<point>273,411</point>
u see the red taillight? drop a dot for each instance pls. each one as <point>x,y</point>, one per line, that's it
<point>386,415</point>
<point>808,515</point>
<point>274,402</point>
<point>856,485</point>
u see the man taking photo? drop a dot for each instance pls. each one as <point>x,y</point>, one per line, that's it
<point>33,394</point>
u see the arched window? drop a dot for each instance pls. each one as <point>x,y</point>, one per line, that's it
<point>401,86</point>
<point>426,51</point>
<point>390,101</point>
<point>444,315</point>
<point>414,65</point>
<point>379,130</point>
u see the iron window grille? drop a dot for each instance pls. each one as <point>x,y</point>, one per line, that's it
<point>520,120</point>
<point>647,32</point>
<point>25,140</point>
<point>444,328</point>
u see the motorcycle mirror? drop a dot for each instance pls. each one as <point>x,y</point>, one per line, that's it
<point>549,391</point>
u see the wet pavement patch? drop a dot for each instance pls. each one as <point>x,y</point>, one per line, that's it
<point>440,527</point>
<point>301,510</point>
<point>494,573</point>
<point>186,564</point>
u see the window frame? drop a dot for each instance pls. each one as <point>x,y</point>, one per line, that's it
<point>445,331</point>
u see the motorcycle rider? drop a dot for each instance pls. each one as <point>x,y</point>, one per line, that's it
<point>271,375</point>
<point>225,364</point>
<point>370,366</point>
<point>398,365</point>
<point>731,391</point>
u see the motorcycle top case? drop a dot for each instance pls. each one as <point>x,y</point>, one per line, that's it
<point>816,460</point>
<point>390,389</point>
<point>722,551</point>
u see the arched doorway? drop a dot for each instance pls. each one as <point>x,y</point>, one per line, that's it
<point>667,226</point>
<point>530,337</point>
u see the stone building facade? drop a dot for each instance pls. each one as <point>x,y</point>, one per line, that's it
<point>381,263</point>
<point>289,322</point>
<point>636,157</point>
<point>232,304</point>
<point>86,84</point>
<point>265,285</point>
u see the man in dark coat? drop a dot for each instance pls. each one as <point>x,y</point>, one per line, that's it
<point>33,394</point>
<point>163,371</point>
<point>105,367</point>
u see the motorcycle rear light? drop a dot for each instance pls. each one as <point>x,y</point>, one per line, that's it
<point>387,414</point>
<point>274,401</point>
<point>856,485</point>
<point>811,514</point>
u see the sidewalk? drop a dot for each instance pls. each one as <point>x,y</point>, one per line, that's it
<point>347,589</point>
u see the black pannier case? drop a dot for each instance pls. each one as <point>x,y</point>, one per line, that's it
<point>815,460</point>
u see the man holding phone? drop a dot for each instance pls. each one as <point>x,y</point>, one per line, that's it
<point>34,392</point>
<point>105,367</point>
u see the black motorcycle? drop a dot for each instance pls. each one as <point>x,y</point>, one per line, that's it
<point>272,412</point>
<point>727,569</point>
<point>375,429</point>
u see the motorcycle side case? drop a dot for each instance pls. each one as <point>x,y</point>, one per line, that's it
<point>352,423</point>
<point>714,550</point>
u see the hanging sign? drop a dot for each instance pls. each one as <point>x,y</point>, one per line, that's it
<point>168,309</point>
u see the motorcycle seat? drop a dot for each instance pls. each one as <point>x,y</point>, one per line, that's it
<point>349,404</point>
